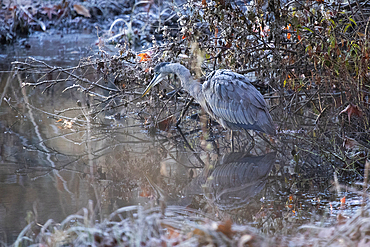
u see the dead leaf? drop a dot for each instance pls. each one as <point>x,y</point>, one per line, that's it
<point>66,124</point>
<point>49,11</point>
<point>144,57</point>
<point>166,123</point>
<point>172,233</point>
<point>350,143</point>
<point>204,3</point>
<point>290,199</point>
<point>198,232</point>
<point>225,228</point>
<point>343,201</point>
<point>81,10</point>
<point>352,110</point>
<point>341,219</point>
<point>145,191</point>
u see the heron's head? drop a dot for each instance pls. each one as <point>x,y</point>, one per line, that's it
<point>160,72</point>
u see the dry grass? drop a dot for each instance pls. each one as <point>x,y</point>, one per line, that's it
<point>179,226</point>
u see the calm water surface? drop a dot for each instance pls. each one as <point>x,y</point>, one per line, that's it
<point>51,167</point>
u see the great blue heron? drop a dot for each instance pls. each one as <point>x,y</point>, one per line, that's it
<point>226,96</point>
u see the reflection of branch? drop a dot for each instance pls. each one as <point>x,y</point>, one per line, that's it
<point>39,136</point>
<point>11,106</point>
<point>50,169</point>
<point>177,161</point>
<point>8,81</point>
<point>191,149</point>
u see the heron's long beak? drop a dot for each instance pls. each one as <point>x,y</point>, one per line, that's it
<point>157,79</point>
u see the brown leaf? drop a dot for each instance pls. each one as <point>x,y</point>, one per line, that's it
<point>166,123</point>
<point>49,11</point>
<point>225,228</point>
<point>341,219</point>
<point>81,10</point>
<point>145,192</point>
<point>350,143</point>
<point>228,44</point>
<point>352,110</point>
<point>172,233</point>
<point>199,232</point>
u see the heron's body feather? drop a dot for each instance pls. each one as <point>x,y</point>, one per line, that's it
<point>235,102</point>
<point>226,96</point>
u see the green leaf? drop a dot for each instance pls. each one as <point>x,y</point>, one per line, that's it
<point>332,22</point>
<point>309,47</point>
<point>306,28</point>
<point>353,21</point>
<point>348,25</point>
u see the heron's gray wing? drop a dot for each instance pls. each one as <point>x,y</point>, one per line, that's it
<point>236,103</point>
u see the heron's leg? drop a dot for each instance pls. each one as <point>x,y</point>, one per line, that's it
<point>232,141</point>
<point>184,111</point>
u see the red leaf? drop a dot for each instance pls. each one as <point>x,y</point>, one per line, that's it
<point>352,110</point>
<point>144,57</point>
<point>343,200</point>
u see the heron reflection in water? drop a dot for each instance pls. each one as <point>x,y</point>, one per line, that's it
<point>234,180</point>
<point>228,97</point>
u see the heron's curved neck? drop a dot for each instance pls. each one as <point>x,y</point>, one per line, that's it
<point>187,82</point>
